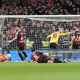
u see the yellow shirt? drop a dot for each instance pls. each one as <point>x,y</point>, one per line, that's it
<point>54,37</point>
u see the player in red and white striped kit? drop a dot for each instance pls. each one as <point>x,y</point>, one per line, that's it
<point>20,43</point>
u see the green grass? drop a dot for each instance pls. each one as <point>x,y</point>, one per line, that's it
<point>32,71</point>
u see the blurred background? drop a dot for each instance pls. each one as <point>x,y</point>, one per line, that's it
<point>36,32</point>
<point>39,7</point>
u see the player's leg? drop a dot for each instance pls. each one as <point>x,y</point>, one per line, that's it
<point>69,57</point>
<point>8,57</point>
<point>54,61</point>
<point>64,56</point>
<point>51,45</point>
<point>25,55</point>
<point>50,60</point>
<point>20,55</point>
<point>53,48</point>
<point>47,59</point>
<point>51,53</point>
<point>8,52</point>
<point>74,47</point>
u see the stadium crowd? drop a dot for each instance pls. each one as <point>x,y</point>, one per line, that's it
<point>39,7</point>
<point>36,31</point>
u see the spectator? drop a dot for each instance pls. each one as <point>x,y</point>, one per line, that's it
<point>39,7</point>
<point>36,31</point>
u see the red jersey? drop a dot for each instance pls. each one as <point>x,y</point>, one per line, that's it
<point>20,38</point>
<point>2,57</point>
<point>37,56</point>
<point>77,38</point>
<point>11,34</point>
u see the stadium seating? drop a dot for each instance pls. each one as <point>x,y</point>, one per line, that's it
<point>39,7</point>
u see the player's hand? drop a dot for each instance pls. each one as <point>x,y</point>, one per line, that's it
<point>71,42</point>
<point>9,42</point>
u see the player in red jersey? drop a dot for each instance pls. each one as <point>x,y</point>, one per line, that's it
<point>76,39</point>
<point>20,42</point>
<point>40,57</point>
<point>4,57</point>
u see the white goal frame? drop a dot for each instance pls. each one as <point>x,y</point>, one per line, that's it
<point>60,18</point>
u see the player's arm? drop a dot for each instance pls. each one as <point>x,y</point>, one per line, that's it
<point>73,37</point>
<point>24,36</point>
<point>13,38</point>
<point>64,34</point>
<point>48,37</point>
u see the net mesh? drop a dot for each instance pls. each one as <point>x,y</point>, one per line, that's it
<point>37,28</point>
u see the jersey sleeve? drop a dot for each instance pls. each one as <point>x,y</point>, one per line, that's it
<point>64,34</point>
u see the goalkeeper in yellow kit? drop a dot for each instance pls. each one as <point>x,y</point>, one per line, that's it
<point>54,37</point>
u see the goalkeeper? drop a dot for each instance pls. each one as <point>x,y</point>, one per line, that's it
<point>54,37</point>
<point>4,57</point>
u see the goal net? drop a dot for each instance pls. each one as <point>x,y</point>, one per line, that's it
<point>37,28</point>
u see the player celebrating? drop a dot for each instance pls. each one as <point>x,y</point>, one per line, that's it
<point>40,57</point>
<point>4,57</point>
<point>20,43</point>
<point>54,37</point>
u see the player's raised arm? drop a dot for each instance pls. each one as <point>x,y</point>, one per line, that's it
<point>17,29</point>
<point>13,39</point>
<point>64,34</point>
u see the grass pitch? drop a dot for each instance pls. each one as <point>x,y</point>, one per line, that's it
<point>33,71</point>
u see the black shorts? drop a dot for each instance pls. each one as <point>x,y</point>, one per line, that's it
<point>53,46</point>
<point>21,48</point>
<point>45,59</point>
<point>75,47</point>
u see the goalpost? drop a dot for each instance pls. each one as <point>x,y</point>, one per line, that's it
<point>37,28</point>
<point>1,25</point>
<point>46,24</point>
